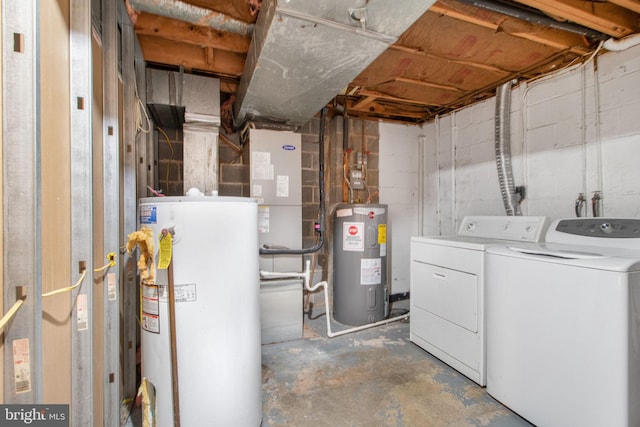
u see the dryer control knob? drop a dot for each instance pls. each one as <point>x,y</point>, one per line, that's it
<point>471,226</point>
<point>606,228</point>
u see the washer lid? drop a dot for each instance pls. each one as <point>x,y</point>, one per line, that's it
<point>464,242</point>
<point>612,259</point>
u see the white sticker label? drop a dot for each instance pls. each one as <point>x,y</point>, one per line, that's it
<point>371,271</point>
<point>150,308</point>
<point>256,190</point>
<point>353,236</point>
<point>383,249</point>
<point>282,186</point>
<point>111,286</point>
<point>344,212</point>
<point>150,301</point>
<point>22,365</point>
<point>263,219</point>
<point>82,313</point>
<point>183,293</point>
<point>261,166</point>
<point>151,323</point>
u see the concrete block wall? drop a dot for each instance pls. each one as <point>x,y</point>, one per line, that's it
<point>234,166</point>
<point>399,189</point>
<point>572,132</point>
<point>361,135</point>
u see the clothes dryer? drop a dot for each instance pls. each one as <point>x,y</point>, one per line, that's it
<point>448,285</point>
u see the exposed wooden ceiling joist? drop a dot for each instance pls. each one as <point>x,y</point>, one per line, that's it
<point>515,27</point>
<point>485,67</point>
<point>190,56</point>
<point>184,32</point>
<point>606,17</point>
<point>455,54</point>
<point>633,5</point>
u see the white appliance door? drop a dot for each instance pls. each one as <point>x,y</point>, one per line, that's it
<point>558,340</point>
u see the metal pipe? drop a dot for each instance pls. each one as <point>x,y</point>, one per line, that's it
<point>503,149</point>
<point>533,16</point>
<point>596,204</point>
<point>579,204</point>
<point>278,251</point>
<point>181,11</point>
<point>306,275</point>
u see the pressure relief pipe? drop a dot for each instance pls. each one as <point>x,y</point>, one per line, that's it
<point>267,250</point>
<point>306,275</point>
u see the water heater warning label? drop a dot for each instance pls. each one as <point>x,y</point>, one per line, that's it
<point>148,215</point>
<point>353,236</point>
<point>370,271</point>
<point>150,308</point>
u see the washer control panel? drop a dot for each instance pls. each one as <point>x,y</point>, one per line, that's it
<point>612,228</point>
<point>517,228</point>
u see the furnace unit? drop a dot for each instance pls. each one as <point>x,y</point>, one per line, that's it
<point>276,169</point>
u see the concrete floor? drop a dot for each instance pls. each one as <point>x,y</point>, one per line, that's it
<point>375,377</point>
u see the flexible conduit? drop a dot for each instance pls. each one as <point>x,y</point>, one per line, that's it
<point>306,275</point>
<point>503,149</point>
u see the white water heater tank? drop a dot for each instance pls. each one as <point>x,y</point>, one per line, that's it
<point>216,278</point>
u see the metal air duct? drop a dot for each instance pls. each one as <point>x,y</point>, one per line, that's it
<point>304,52</point>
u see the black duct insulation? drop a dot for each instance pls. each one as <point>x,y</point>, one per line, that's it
<point>534,16</point>
<point>317,246</point>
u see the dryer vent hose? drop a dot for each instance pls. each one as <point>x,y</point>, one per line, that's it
<point>510,198</point>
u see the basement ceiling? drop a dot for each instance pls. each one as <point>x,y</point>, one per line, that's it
<point>453,55</point>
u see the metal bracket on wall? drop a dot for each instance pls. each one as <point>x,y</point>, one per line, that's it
<point>111,210</point>
<point>82,400</point>
<point>21,199</point>
<point>128,199</point>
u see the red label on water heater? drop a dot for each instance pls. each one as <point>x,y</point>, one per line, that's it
<point>353,230</point>
<point>371,215</point>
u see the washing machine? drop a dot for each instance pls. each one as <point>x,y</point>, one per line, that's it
<point>563,321</point>
<point>448,283</point>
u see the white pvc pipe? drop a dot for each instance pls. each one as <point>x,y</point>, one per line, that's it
<point>616,45</point>
<point>332,334</point>
<point>306,275</point>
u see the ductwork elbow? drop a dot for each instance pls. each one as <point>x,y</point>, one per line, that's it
<point>617,45</point>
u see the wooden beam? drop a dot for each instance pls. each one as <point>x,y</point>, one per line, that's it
<point>162,51</point>
<point>179,31</point>
<point>633,5</point>
<point>604,17</point>
<point>376,94</point>
<point>477,65</point>
<point>384,110</point>
<point>428,84</point>
<point>551,37</point>
<point>364,102</point>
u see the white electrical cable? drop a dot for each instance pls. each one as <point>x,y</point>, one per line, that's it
<point>9,315</point>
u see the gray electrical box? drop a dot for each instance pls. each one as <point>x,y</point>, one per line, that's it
<point>276,171</point>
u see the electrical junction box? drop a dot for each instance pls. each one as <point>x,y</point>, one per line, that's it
<point>356,179</point>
